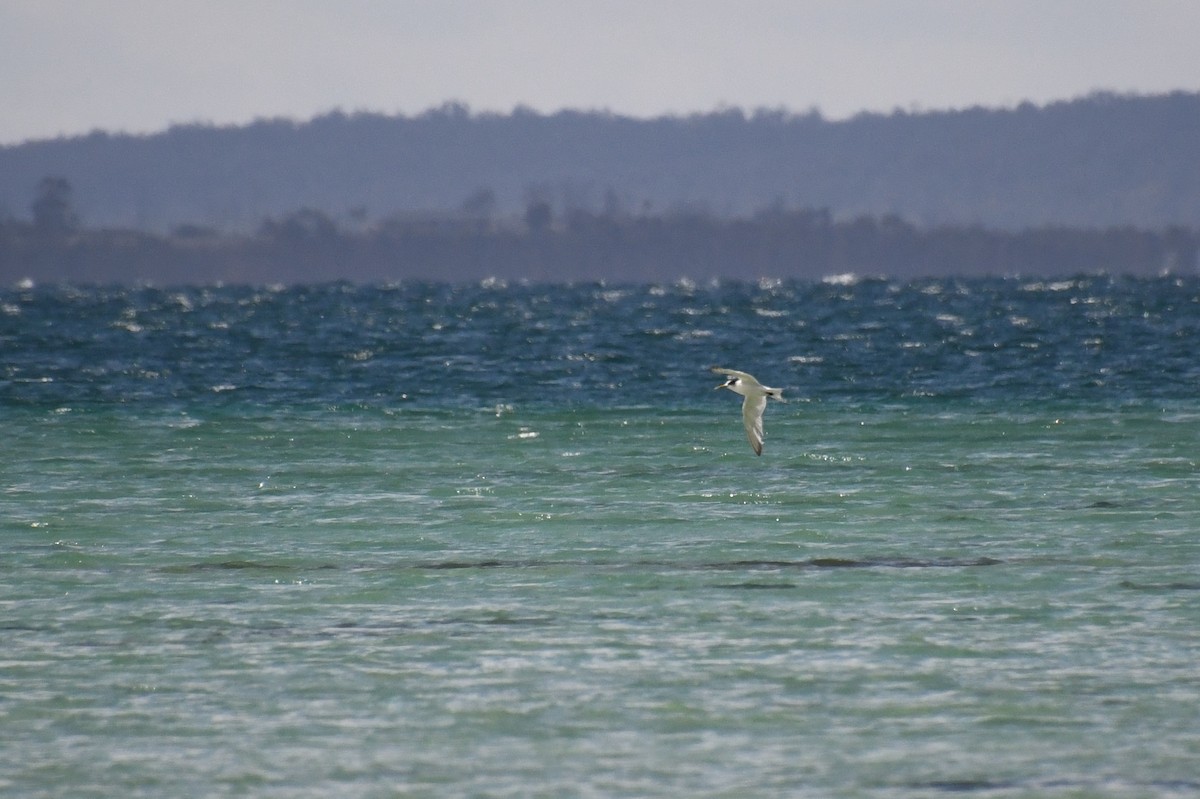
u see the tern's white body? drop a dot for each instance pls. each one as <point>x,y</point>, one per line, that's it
<point>753,405</point>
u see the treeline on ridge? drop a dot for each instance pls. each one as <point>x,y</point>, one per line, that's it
<point>1093,162</point>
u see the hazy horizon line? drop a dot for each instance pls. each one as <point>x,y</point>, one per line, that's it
<point>463,108</point>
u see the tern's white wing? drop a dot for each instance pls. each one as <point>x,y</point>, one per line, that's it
<point>748,378</point>
<point>752,413</point>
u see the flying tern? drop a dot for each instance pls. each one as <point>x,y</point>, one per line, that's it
<point>753,405</point>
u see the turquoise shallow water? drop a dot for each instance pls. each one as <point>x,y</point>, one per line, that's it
<point>507,541</point>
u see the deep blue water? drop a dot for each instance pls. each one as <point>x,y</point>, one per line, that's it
<point>1098,340</point>
<point>506,540</point>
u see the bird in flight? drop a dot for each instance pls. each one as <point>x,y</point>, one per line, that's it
<point>753,405</point>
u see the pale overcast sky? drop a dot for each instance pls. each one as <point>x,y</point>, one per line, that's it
<point>72,66</point>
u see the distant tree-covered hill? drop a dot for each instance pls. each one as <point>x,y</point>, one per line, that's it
<point>1099,161</point>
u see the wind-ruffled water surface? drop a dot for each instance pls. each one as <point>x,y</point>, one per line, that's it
<point>506,540</point>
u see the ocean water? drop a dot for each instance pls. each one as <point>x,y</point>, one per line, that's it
<point>506,541</point>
